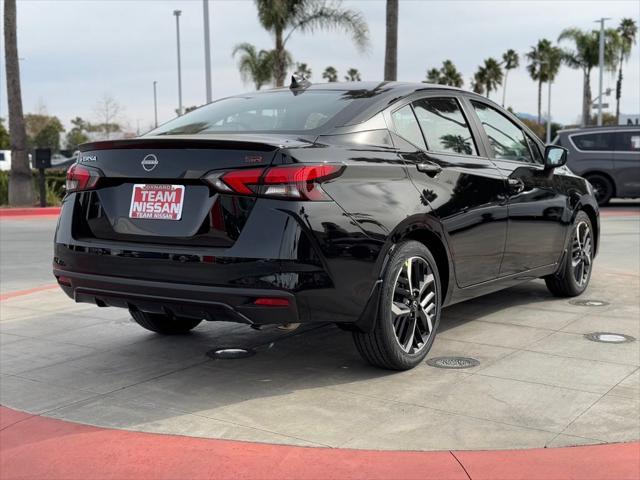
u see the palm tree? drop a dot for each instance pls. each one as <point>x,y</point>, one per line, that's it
<point>477,82</point>
<point>303,71</point>
<point>283,17</point>
<point>627,31</point>
<point>20,183</point>
<point>447,75</point>
<point>330,74</point>
<point>491,75</point>
<point>544,63</point>
<point>353,75</point>
<point>510,61</point>
<point>433,76</point>
<point>585,57</point>
<point>391,44</point>
<point>450,74</point>
<point>254,66</point>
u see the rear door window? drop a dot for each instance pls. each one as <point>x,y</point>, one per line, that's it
<point>444,127</point>
<point>627,141</point>
<point>507,140</point>
<point>406,125</point>
<point>594,142</point>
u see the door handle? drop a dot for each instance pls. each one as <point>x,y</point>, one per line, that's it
<point>430,169</point>
<point>515,185</point>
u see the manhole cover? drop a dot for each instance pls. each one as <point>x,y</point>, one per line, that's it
<point>230,353</point>
<point>608,337</point>
<point>453,362</point>
<point>589,303</point>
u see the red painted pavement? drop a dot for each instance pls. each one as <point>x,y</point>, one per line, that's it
<point>35,447</point>
<point>28,291</point>
<point>29,212</point>
<point>619,212</point>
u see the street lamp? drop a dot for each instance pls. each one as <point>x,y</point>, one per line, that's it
<point>177,15</point>
<point>155,103</point>
<point>601,64</point>
<point>207,51</point>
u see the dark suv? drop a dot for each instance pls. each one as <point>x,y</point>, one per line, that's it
<point>609,157</point>
<point>369,205</point>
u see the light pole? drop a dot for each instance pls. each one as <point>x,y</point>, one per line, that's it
<point>207,51</point>
<point>155,103</point>
<point>549,114</point>
<point>177,14</point>
<point>601,64</point>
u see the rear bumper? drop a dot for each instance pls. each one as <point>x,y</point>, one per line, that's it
<point>187,300</point>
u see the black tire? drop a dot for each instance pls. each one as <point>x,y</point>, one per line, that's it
<point>381,346</point>
<point>565,282</point>
<point>164,324</point>
<point>602,188</point>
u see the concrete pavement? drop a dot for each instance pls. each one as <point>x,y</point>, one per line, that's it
<point>539,383</point>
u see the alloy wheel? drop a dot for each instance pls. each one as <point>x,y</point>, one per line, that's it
<point>414,304</point>
<point>581,253</point>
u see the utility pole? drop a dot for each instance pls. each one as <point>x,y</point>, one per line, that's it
<point>207,50</point>
<point>155,103</point>
<point>177,14</point>
<point>601,65</point>
<point>549,114</point>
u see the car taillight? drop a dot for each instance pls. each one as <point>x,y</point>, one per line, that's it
<point>294,182</point>
<point>80,177</point>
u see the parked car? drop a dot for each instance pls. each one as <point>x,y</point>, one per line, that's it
<point>609,157</point>
<point>370,205</point>
<point>5,160</point>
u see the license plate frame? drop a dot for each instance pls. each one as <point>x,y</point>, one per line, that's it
<point>156,201</point>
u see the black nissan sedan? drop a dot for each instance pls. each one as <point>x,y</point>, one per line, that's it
<point>368,205</point>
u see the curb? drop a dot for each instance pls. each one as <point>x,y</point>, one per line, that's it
<point>29,212</point>
<point>34,446</point>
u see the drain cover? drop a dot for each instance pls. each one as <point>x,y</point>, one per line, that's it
<point>230,353</point>
<point>608,337</point>
<point>453,362</point>
<point>589,303</point>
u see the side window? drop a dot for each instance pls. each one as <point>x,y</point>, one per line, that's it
<point>507,140</point>
<point>628,141</point>
<point>595,142</point>
<point>444,126</point>
<point>406,126</point>
<point>535,150</point>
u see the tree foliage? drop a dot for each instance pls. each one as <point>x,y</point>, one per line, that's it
<point>330,74</point>
<point>43,131</point>
<point>255,66</point>
<point>544,63</point>
<point>448,74</point>
<point>353,75</point>
<point>303,71</point>
<point>284,17</point>
<point>5,142</point>
<point>488,77</point>
<point>626,38</point>
<point>585,56</point>
<point>108,112</point>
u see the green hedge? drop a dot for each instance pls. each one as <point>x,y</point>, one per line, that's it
<point>54,181</point>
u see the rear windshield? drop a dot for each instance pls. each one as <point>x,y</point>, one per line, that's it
<point>280,111</point>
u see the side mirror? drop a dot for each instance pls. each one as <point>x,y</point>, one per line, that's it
<point>554,156</point>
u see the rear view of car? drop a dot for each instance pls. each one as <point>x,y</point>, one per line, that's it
<point>179,227</point>
<point>609,157</point>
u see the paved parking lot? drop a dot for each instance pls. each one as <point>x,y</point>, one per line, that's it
<point>540,382</point>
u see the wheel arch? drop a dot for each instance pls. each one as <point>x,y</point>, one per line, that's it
<point>431,235</point>
<point>605,175</point>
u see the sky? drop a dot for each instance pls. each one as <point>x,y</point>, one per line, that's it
<point>76,51</point>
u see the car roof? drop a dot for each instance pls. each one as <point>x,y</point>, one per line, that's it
<point>594,129</point>
<point>372,88</point>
